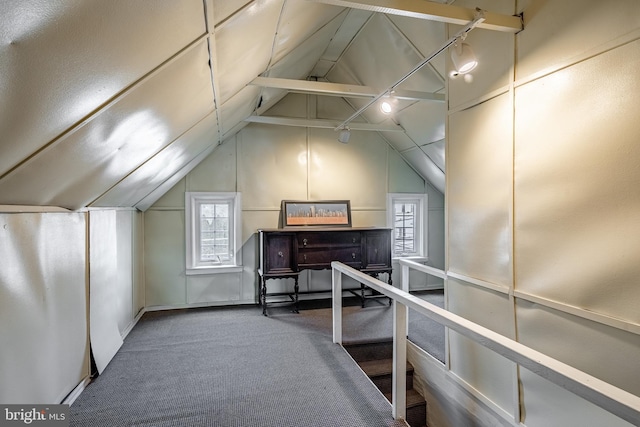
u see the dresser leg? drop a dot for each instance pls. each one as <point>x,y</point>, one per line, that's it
<point>264,296</point>
<point>296,289</point>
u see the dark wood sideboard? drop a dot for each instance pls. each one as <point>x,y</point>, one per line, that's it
<point>284,253</point>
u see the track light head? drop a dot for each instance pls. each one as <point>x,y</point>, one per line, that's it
<point>463,58</point>
<point>344,135</point>
<point>386,107</point>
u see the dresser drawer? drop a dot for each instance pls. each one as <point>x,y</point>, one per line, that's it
<point>328,239</point>
<point>321,257</point>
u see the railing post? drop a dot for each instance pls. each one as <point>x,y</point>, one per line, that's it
<point>404,278</point>
<point>404,283</point>
<point>399,374</point>
<point>336,294</point>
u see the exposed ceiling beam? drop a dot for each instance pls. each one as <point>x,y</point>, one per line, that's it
<point>339,89</point>
<point>432,11</point>
<point>211,48</point>
<point>323,124</point>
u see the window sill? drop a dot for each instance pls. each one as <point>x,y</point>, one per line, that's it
<point>214,270</point>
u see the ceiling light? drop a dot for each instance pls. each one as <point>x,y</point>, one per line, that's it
<point>463,58</point>
<point>385,107</point>
<point>479,17</point>
<point>344,135</point>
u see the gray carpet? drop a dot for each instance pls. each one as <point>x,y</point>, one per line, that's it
<point>233,367</point>
<point>372,323</point>
<point>426,333</point>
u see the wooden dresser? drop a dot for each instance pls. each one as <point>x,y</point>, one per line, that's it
<point>286,252</point>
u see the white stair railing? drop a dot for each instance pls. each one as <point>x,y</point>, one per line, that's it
<point>607,396</point>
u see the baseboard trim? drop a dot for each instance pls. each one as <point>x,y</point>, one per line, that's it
<point>133,323</point>
<point>427,288</point>
<point>198,305</point>
<point>76,392</point>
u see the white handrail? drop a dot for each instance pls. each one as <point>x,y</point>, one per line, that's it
<point>607,396</point>
<point>423,268</point>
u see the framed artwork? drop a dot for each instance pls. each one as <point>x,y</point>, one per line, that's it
<point>323,212</point>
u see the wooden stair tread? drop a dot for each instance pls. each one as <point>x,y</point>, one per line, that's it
<point>376,368</point>
<point>413,398</point>
<point>367,342</point>
<point>376,361</point>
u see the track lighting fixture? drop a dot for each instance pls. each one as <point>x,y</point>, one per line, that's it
<point>463,59</point>
<point>344,135</point>
<point>464,62</point>
<point>385,107</point>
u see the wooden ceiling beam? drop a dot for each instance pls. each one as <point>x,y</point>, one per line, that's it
<point>431,11</point>
<point>339,89</point>
<point>323,124</point>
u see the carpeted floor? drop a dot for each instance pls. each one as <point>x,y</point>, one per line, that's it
<point>231,367</point>
<point>234,367</point>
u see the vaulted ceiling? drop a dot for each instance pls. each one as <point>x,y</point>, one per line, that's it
<point>109,103</point>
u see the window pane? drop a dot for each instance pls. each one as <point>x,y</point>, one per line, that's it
<point>211,223</point>
<point>214,232</point>
<point>405,227</point>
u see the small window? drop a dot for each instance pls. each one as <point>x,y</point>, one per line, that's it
<point>406,215</point>
<point>213,224</point>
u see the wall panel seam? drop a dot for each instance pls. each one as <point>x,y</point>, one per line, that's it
<point>104,107</point>
<point>481,99</point>
<point>480,283</point>
<point>604,319</point>
<point>497,409</point>
<point>584,56</point>
<point>614,44</point>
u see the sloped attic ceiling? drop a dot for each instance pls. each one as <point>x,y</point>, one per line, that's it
<point>109,103</point>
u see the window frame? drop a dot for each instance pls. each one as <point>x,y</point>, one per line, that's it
<point>193,200</point>
<point>420,254</point>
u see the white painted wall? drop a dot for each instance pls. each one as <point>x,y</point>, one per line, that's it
<point>114,277</point>
<point>268,164</point>
<point>44,333</point>
<point>541,203</point>
<point>51,263</point>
